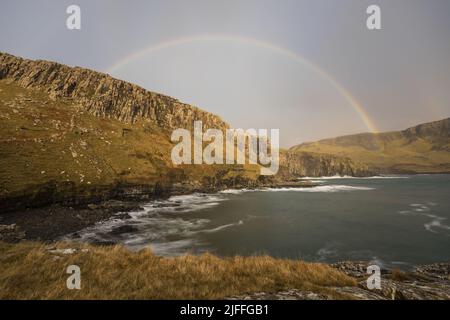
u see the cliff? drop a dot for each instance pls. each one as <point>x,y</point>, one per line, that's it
<point>101,95</point>
<point>74,136</point>
<point>309,164</point>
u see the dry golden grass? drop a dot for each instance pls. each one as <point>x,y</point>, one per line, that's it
<point>30,271</point>
<point>400,275</point>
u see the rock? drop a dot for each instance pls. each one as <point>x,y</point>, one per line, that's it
<point>93,206</point>
<point>293,294</point>
<point>63,251</point>
<point>412,290</point>
<point>436,270</point>
<point>101,95</point>
<point>103,243</point>
<point>11,233</point>
<point>66,251</point>
<point>116,206</point>
<point>358,293</point>
<point>355,269</point>
<point>123,229</point>
<point>308,164</point>
<point>122,216</point>
<point>296,294</point>
<point>83,144</point>
<point>428,282</point>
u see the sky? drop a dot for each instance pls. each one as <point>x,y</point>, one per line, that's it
<point>309,68</point>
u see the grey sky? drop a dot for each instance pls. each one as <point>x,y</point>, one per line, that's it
<point>400,74</point>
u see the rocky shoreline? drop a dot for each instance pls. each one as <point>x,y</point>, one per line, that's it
<point>52,222</point>
<point>49,223</point>
<point>426,282</point>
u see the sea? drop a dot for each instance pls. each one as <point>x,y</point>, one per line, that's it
<point>394,221</point>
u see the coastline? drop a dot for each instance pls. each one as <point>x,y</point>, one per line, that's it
<point>143,275</point>
<point>50,222</point>
<point>46,225</point>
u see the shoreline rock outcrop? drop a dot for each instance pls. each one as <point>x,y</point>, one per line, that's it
<point>425,282</point>
<point>309,164</point>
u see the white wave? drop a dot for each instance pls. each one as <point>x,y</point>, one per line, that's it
<point>419,209</point>
<point>378,262</point>
<point>172,248</point>
<point>436,223</point>
<point>328,252</point>
<point>329,188</point>
<point>219,228</point>
<point>235,191</point>
<point>325,188</point>
<point>194,198</point>
<point>325,177</point>
<point>385,177</point>
<point>181,204</point>
<point>352,177</point>
<point>162,225</point>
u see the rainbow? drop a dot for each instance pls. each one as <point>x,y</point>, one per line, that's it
<point>359,109</point>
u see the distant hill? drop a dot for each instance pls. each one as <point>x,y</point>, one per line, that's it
<point>424,148</point>
<point>75,135</point>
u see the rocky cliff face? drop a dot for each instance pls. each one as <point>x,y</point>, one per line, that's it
<point>306,164</point>
<point>102,95</point>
